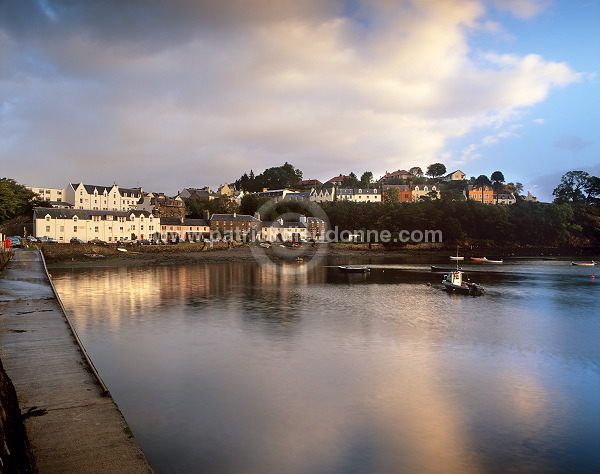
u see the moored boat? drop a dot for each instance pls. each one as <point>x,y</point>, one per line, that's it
<point>435,268</point>
<point>452,257</point>
<point>354,269</point>
<point>453,281</point>
<point>584,264</point>
<point>478,259</point>
<point>487,260</point>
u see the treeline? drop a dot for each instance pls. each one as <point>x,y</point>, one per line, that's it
<point>524,223</point>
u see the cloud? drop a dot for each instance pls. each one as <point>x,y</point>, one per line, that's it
<point>572,143</point>
<point>201,91</point>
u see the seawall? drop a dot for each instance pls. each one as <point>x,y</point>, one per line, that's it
<point>71,424</point>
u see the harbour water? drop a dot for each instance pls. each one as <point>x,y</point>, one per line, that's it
<point>234,367</point>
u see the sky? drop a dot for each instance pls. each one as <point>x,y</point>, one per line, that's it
<point>169,94</point>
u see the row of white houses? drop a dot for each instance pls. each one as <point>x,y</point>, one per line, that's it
<point>124,226</point>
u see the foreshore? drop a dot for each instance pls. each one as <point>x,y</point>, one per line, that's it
<point>78,255</point>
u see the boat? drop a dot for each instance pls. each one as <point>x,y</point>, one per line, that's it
<point>265,245</point>
<point>457,257</point>
<point>93,255</point>
<point>478,259</point>
<point>435,268</point>
<point>584,264</point>
<point>487,260</point>
<point>122,250</point>
<point>354,269</point>
<point>453,281</point>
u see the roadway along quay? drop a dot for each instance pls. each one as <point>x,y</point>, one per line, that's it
<point>72,425</point>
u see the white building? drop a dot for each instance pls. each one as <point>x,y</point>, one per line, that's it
<point>505,198</point>
<point>359,195</point>
<point>52,195</point>
<point>102,198</point>
<point>457,175</point>
<point>324,195</point>
<point>109,226</point>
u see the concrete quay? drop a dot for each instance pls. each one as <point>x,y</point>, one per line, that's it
<point>71,425</point>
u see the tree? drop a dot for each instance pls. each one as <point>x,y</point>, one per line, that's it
<point>592,188</point>
<point>15,199</point>
<point>350,182</point>
<point>366,179</point>
<point>415,170</point>
<point>391,195</point>
<point>436,169</point>
<point>481,181</point>
<point>571,188</point>
<point>497,178</point>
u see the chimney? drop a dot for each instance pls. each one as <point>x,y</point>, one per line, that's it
<point>234,214</point>
<point>206,215</point>
<point>257,215</point>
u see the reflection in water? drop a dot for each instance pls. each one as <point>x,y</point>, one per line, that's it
<point>241,368</point>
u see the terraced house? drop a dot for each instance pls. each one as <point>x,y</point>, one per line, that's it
<point>86,224</point>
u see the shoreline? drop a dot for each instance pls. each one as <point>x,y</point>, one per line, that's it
<point>71,256</point>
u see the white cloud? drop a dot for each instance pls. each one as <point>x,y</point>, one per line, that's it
<point>263,83</point>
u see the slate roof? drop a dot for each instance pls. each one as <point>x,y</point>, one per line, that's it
<point>56,213</point>
<point>236,218</point>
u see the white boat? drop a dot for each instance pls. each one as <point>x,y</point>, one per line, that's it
<point>487,260</point>
<point>121,250</point>
<point>453,281</point>
<point>457,257</point>
<point>584,264</point>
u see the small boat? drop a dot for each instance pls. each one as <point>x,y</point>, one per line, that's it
<point>122,250</point>
<point>478,259</point>
<point>457,257</point>
<point>93,255</point>
<point>584,264</point>
<point>435,268</point>
<point>453,281</point>
<point>265,245</point>
<point>487,260</point>
<point>354,269</point>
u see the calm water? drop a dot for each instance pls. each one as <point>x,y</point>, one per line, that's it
<point>231,368</point>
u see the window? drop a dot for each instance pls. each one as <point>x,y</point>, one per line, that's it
<point>47,218</point>
<point>141,227</point>
<point>62,229</point>
<point>47,228</point>
<point>133,227</point>
<point>75,228</point>
<point>96,218</point>
<point>96,229</point>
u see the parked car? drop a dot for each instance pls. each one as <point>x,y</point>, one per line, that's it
<point>75,240</point>
<point>96,242</point>
<point>15,242</point>
<point>144,242</point>
<point>47,239</point>
<point>31,238</point>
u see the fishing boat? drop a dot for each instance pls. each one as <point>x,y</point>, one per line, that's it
<point>584,264</point>
<point>354,269</point>
<point>453,281</point>
<point>478,259</point>
<point>487,260</point>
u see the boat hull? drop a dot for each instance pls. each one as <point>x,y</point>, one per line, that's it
<point>354,269</point>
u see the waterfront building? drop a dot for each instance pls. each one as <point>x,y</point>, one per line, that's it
<point>86,224</point>
<point>179,228</point>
